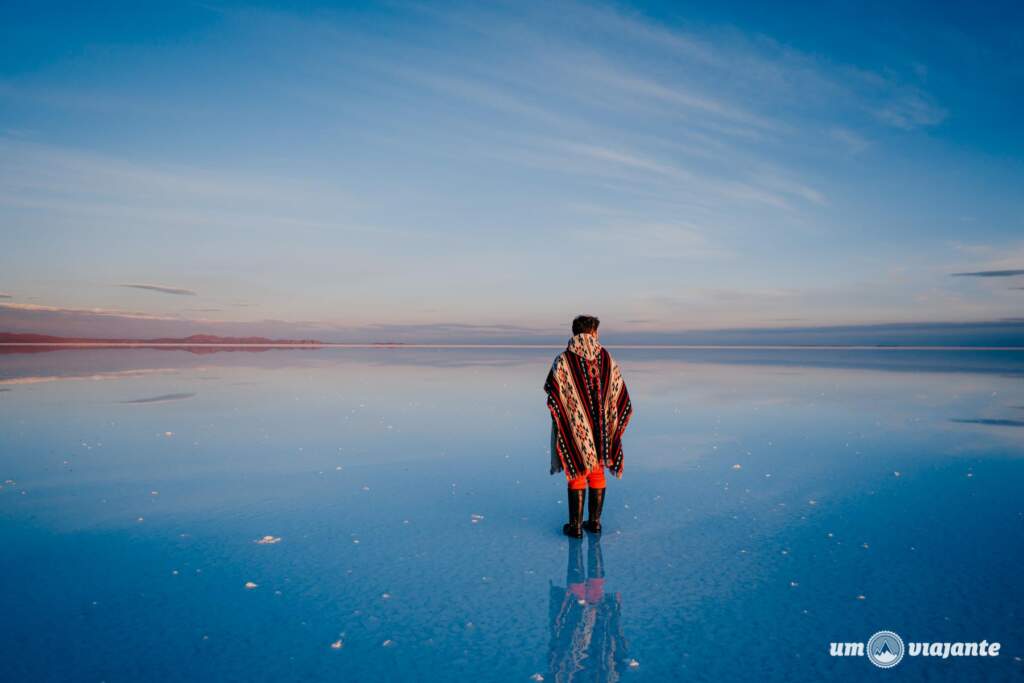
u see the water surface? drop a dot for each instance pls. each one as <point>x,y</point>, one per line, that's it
<point>772,502</point>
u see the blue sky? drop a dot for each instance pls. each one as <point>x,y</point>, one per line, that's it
<point>476,170</point>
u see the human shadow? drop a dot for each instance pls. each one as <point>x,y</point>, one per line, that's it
<point>587,642</point>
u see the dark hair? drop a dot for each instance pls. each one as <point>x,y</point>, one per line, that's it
<point>585,323</point>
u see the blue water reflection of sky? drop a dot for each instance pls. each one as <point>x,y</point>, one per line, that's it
<point>419,527</point>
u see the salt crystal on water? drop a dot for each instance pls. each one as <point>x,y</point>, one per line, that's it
<point>268,540</point>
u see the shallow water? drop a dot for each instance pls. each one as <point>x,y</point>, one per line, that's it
<point>420,532</point>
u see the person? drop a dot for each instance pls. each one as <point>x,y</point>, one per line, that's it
<point>590,409</point>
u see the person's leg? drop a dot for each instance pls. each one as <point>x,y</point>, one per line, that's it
<point>576,492</point>
<point>595,503</point>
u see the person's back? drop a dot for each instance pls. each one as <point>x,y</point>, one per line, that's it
<point>590,409</point>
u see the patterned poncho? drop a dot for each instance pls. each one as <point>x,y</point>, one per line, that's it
<point>590,409</point>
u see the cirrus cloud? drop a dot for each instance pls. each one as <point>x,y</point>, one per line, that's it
<point>97,312</point>
<point>991,273</point>
<point>163,289</point>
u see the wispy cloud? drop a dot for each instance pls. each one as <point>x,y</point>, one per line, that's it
<point>81,99</point>
<point>481,94</point>
<point>163,289</point>
<point>908,108</point>
<point>70,184</point>
<point>677,96</point>
<point>98,312</point>
<point>990,422</point>
<point>990,273</point>
<point>651,240</point>
<point>854,142</point>
<point>735,64</point>
<point>163,398</point>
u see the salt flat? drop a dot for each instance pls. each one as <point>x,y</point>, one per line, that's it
<point>386,514</point>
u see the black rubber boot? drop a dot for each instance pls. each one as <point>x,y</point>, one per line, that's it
<point>594,505</point>
<point>575,514</point>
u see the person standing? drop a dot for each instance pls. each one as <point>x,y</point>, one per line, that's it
<point>590,409</point>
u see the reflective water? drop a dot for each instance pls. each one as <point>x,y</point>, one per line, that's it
<point>772,502</point>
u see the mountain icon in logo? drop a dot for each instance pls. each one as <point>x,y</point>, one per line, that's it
<point>885,649</point>
<point>884,654</point>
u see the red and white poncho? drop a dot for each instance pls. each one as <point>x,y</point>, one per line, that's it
<point>590,409</point>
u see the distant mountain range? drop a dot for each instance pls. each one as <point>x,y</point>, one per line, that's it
<point>1006,333</point>
<point>195,339</point>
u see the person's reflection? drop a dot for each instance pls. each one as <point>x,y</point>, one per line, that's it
<point>587,643</point>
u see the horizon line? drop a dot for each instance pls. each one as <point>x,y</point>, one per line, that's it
<point>402,345</point>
